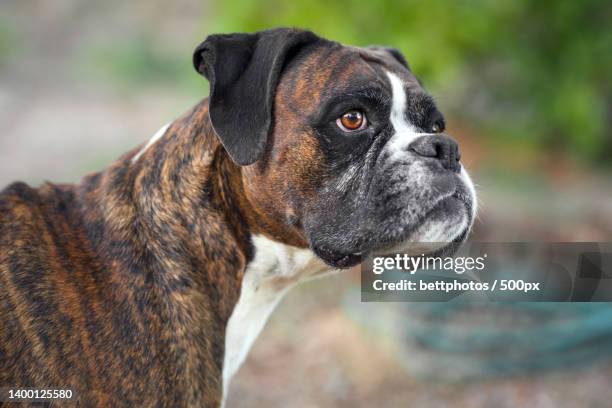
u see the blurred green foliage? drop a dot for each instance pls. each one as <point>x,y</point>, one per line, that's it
<point>140,61</point>
<point>7,41</point>
<point>537,72</point>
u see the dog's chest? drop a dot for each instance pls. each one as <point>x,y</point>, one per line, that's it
<point>274,269</point>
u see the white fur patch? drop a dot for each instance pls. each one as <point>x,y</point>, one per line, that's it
<point>465,177</point>
<point>439,230</point>
<point>405,132</point>
<point>274,270</point>
<point>158,135</point>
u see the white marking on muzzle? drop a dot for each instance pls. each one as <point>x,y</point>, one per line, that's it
<point>158,135</point>
<point>465,177</point>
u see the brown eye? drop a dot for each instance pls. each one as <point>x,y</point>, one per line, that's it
<point>351,121</point>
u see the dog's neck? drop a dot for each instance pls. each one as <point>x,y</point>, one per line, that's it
<point>161,215</point>
<point>173,215</point>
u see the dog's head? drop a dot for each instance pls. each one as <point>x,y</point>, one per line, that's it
<point>341,147</point>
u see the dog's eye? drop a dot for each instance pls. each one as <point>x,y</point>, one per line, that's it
<point>437,127</point>
<point>352,121</point>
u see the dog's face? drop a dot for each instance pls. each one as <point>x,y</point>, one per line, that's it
<point>355,159</point>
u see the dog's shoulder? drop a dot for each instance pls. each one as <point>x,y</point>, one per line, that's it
<point>26,213</point>
<point>19,198</point>
<point>17,201</point>
<point>17,192</point>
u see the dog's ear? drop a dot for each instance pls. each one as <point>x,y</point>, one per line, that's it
<point>243,71</point>
<point>394,52</point>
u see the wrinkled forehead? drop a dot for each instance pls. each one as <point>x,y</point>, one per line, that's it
<point>323,71</point>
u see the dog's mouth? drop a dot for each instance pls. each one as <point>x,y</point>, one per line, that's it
<point>337,259</point>
<point>431,249</point>
<point>406,241</point>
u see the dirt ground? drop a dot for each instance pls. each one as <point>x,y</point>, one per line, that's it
<point>312,354</point>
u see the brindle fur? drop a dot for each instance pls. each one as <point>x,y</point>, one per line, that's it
<point>120,288</point>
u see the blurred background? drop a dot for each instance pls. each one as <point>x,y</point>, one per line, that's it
<point>527,90</point>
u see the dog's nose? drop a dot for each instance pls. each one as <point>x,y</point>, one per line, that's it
<point>439,147</point>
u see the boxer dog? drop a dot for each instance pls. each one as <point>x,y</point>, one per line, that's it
<point>147,283</point>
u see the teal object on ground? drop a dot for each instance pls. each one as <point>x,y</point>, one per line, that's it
<point>455,341</point>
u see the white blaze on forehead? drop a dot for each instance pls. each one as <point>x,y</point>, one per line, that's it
<point>158,135</point>
<point>444,230</point>
<point>405,132</point>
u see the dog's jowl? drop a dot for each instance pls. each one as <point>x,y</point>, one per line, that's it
<point>147,283</point>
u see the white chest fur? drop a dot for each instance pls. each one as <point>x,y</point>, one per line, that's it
<point>275,268</point>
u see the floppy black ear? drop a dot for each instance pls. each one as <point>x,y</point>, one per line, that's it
<point>243,71</point>
<point>394,52</point>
